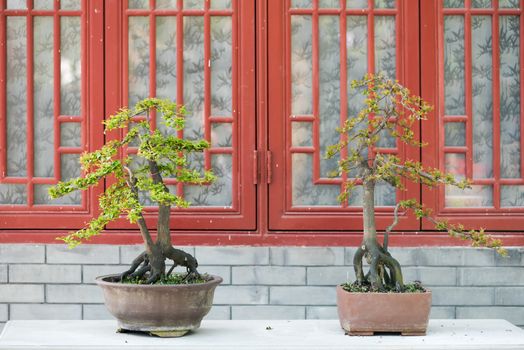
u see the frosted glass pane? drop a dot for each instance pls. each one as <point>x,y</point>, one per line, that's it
<point>70,134</point>
<point>476,196</point>
<point>454,3</point>
<point>70,66</point>
<point>43,4</point>
<point>385,46</point>
<point>194,4</point>
<point>43,117</point>
<point>454,66</point>
<point>70,166</point>
<point>16,4</point>
<point>302,134</point>
<point>481,3</point>
<point>512,196</point>
<point>166,4</point>
<point>357,4</point>
<point>221,135</point>
<point>220,192</point>
<point>220,4</point>
<point>509,3</point>
<point>11,194</point>
<point>455,163</point>
<point>301,65</point>
<point>510,136</point>
<point>304,191</point>
<point>138,68</point>
<point>329,89</point>
<point>166,62</point>
<point>482,92</point>
<point>194,76</point>
<point>221,66</point>
<point>16,96</point>
<point>301,3</point>
<point>455,134</point>
<point>329,3</point>
<point>385,195</point>
<point>41,197</point>
<point>138,4</point>
<point>70,4</point>
<point>389,4</point>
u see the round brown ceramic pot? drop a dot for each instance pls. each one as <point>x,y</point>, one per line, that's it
<point>163,310</point>
<point>367,313</point>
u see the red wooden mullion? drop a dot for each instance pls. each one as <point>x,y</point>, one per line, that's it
<point>315,93</point>
<point>30,106</point>
<point>57,88</point>
<point>234,108</point>
<point>343,89</point>
<point>84,54</point>
<point>152,59</point>
<point>468,89</point>
<point>3,87</point>
<point>207,80</point>
<point>180,70</point>
<point>496,103</point>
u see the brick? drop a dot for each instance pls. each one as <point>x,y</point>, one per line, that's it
<point>219,312</point>
<point>222,271</point>
<point>405,256</point>
<point>451,296</point>
<point>349,253</point>
<point>239,295</point>
<point>4,314</point>
<point>270,275</point>
<point>515,257</point>
<point>321,313</point>
<point>22,293</point>
<point>268,312</point>
<point>45,312</point>
<point>329,276</point>
<point>67,293</point>
<point>30,273</point>
<point>91,272</point>
<point>303,295</point>
<point>96,312</point>
<point>84,254</point>
<point>307,256</point>
<point>22,253</point>
<point>442,312</point>
<point>431,276</point>
<point>478,257</point>
<point>492,276</point>
<point>509,296</point>
<point>3,273</point>
<point>232,255</point>
<point>511,314</point>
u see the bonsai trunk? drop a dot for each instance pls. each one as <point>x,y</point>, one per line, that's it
<point>378,258</point>
<point>153,260</point>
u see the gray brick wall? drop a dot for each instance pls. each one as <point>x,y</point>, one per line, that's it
<point>52,282</point>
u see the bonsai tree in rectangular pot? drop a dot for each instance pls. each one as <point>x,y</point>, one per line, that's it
<point>363,306</point>
<point>146,297</point>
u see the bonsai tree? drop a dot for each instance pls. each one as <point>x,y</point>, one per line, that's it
<point>390,108</point>
<point>162,155</point>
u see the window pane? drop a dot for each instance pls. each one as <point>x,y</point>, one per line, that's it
<point>220,4</point>
<point>166,4</point>
<point>482,62</point>
<point>301,65</point>
<point>221,135</point>
<point>476,196</point>
<point>512,196</point>
<point>305,192</point>
<point>138,68</point>
<point>385,46</point>
<point>70,66</point>
<point>454,3</point>
<point>509,3</point>
<point>16,4</point>
<point>454,65</point>
<point>70,134</point>
<point>385,4</point>
<point>329,3</point>
<point>70,4</point>
<point>301,3</point>
<point>194,4</point>
<point>455,134</point>
<point>302,134</point>
<point>43,4</point>
<point>455,163</point>
<point>329,89</point>
<point>221,66</point>
<point>43,116</point>
<point>11,194</point>
<point>481,3</point>
<point>357,4</point>
<point>16,91</point>
<point>138,4</point>
<point>510,97</point>
<point>166,58</point>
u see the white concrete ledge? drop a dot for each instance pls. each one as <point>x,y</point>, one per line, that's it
<point>274,335</point>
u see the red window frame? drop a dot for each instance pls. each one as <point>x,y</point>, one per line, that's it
<point>496,218</point>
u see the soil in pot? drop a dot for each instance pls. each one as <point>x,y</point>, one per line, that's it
<point>362,312</point>
<point>167,310</point>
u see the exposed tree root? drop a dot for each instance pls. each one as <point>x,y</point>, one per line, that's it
<point>152,267</point>
<point>384,270</point>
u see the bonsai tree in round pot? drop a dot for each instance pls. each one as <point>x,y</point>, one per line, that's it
<point>363,307</point>
<point>146,297</point>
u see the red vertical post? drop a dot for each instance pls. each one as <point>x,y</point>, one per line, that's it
<point>30,105</point>
<point>3,92</point>
<point>496,103</point>
<point>343,88</point>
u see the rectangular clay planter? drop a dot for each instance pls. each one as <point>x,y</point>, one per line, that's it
<point>367,313</point>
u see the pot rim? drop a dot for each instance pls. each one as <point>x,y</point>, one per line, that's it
<point>428,291</point>
<point>100,280</point>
